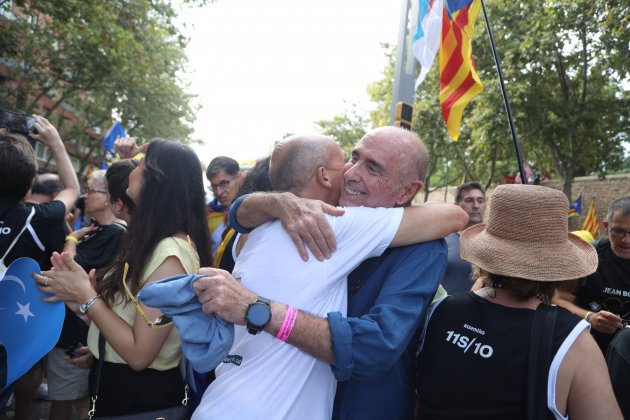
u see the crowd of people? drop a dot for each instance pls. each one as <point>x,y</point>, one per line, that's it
<point>337,296</point>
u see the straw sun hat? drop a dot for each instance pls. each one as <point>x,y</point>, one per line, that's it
<point>526,237</point>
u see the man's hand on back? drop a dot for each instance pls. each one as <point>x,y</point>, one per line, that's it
<point>305,222</point>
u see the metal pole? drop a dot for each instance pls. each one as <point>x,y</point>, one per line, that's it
<point>404,68</point>
<point>505,97</point>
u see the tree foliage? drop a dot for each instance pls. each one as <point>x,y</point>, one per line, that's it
<point>566,68</point>
<point>97,59</point>
<point>346,128</point>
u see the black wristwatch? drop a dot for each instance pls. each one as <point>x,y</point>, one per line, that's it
<point>258,315</point>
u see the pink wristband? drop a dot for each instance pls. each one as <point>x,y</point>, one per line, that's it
<point>287,324</point>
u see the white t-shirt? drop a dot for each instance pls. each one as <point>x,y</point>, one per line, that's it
<point>263,377</point>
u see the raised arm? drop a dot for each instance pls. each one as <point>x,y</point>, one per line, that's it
<point>47,134</point>
<point>303,219</point>
<point>429,221</point>
<point>127,147</point>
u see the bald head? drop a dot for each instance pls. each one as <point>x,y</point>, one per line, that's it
<point>387,169</point>
<point>407,149</point>
<point>44,189</point>
<point>295,161</point>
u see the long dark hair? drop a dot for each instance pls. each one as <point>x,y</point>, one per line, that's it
<point>117,176</point>
<point>171,202</point>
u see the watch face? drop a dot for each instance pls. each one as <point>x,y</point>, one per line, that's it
<point>258,314</point>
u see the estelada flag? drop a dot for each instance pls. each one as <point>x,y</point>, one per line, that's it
<point>576,208</point>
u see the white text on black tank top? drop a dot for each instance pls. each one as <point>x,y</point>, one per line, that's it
<point>466,343</point>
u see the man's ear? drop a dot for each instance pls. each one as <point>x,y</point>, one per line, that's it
<point>408,192</point>
<point>605,223</point>
<point>323,177</point>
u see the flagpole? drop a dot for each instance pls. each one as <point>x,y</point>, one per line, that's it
<point>521,169</point>
<point>404,68</point>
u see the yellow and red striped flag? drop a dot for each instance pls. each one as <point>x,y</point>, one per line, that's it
<point>590,223</point>
<point>459,81</point>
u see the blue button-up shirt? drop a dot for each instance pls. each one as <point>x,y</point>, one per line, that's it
<point>374,347</point>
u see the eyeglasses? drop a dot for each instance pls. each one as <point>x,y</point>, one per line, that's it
<point>223,185</point>
<point>92,190</point>
<point>160,321</point>
<point>471,200</point>
<point>619,232</point>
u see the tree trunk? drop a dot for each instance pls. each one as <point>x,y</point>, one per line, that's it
<point>427,185</point>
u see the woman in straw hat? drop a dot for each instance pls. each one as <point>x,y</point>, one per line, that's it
<point>478,346</point>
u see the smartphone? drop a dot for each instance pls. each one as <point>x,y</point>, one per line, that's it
<point>16,122</point>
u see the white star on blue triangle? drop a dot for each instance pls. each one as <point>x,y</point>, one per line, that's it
<point>25,311</point>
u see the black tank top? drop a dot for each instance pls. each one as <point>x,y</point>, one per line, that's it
<point>473,364</point>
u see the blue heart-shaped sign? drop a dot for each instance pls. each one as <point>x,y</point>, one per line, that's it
<point>29,328</point>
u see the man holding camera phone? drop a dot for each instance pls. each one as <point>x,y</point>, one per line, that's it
<point>31,231</point>
<point>18,168</point>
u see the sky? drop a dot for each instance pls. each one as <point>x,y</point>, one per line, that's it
<point>264,68</point>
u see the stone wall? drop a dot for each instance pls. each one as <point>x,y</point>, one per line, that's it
<point>602,191</point>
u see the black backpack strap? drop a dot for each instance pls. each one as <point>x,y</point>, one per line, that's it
<point>539,362</point>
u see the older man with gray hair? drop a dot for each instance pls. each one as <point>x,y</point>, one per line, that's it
<point>603,298</point>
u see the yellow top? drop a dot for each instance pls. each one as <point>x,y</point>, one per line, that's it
<point>169,355</point>
<point>214,219</point>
